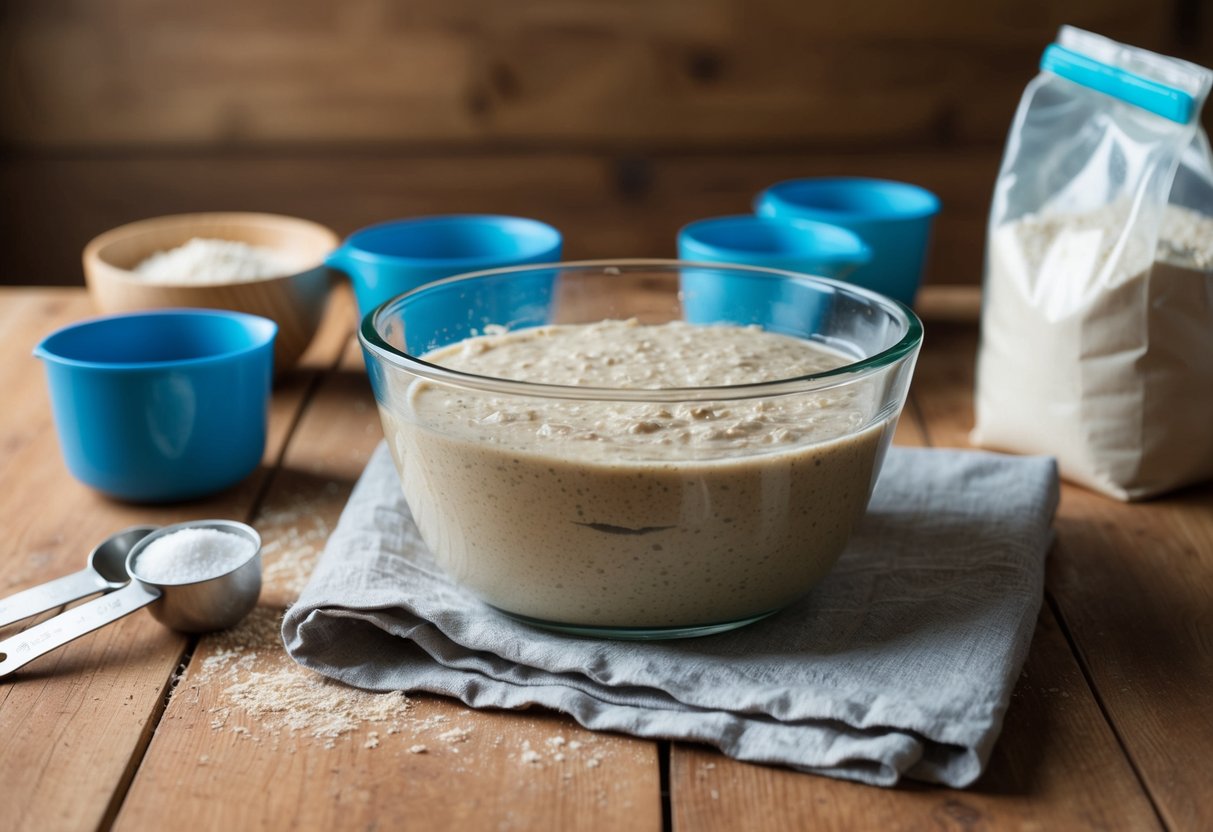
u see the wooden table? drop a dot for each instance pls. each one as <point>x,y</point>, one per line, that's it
<point>135,727</point>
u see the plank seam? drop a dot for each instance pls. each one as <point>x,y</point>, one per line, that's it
<point>663,773</point>
<point>1088,678</point>
<point>145,740</point>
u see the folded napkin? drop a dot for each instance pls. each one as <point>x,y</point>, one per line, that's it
<point>900,663</point>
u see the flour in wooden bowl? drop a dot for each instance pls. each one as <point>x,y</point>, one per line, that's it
<point>202,260</point>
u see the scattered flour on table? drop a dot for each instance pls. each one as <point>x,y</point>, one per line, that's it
<point>261,681</point>
<point>259,684</point>
<point>263,695</point>
<point>455,735</point>
<point>290,557</point>
<point>203,260</point>
<point>559,750</point>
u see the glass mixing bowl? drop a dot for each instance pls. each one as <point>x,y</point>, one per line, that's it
<point>628,511</point>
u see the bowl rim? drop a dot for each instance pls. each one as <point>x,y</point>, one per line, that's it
<point>905,347</point>
<point>94,248</point>
<point>263,334</point>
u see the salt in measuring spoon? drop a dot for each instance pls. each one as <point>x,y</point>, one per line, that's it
<point>198,606</point>
<point>106,570</point>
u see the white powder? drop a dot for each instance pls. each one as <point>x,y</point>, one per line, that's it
<point>265,686</point>
<point>191,555</point>
<point>1097,347</point>
<point>455,735</point>
<point>558,750</point>
<point>214,261</point>
<point>258,685</point>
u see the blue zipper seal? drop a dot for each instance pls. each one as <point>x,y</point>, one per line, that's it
<point>1157,98</point>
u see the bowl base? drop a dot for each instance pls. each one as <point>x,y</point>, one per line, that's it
<point>637,633</point>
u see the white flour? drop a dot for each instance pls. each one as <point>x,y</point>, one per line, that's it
<point>261,684</point>
<point>191,555</point>
<point>214,261</point>
<point>1098,348</point>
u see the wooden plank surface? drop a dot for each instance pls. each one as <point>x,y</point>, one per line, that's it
<point>1135,589</point>
<point>230,761</point>
<point>1056,766</point>
<point>75,722</point>
<point>1107,727</point>
<point>691,72</point>
<point>1133,585</point>
<point>619,122</point>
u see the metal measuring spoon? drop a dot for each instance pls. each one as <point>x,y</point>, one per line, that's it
<point>199,607</point>
<point>106,570</point>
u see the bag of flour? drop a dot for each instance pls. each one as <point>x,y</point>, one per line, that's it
<point>1097,315</point>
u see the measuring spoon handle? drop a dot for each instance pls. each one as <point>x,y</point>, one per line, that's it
<point>24,647</point>
<point>49,595</point>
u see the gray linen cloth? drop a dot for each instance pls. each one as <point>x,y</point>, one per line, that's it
<point>900,663</point>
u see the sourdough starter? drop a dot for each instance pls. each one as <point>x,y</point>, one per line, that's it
<point>663,514</point>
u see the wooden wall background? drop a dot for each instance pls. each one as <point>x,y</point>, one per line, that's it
<point>617,121</point>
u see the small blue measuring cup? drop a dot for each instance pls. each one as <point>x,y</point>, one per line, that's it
<point>394,257</point>
<point>161,405</point>
<point>804,246</point>
<point>719,296</point>
<point>894,218</point>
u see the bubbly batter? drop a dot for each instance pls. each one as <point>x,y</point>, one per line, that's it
<point>635,514</point>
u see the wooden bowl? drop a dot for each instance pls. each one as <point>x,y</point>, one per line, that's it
<point>295,301</point>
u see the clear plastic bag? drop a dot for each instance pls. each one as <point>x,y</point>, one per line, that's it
<point>1097,316</point>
